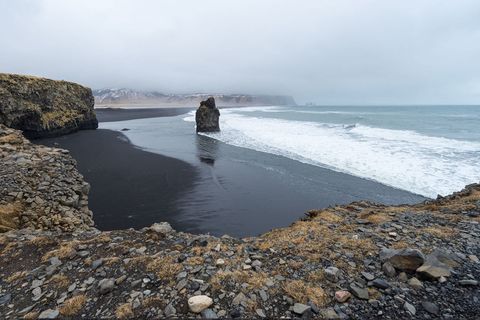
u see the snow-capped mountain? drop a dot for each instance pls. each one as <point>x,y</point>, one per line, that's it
<point>107,97</point>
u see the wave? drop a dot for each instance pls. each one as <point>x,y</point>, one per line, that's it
<point>403,159</point>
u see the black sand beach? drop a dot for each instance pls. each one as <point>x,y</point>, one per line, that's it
<point>201,185</point>
<point>126,182</point>
<point>119,114</point>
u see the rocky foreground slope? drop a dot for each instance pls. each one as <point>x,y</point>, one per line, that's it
<point>42,107</point>
<point>357,261</point>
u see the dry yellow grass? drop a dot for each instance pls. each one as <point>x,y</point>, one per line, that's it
<point>439,231</point>
<point>303,292</point>
<point>60,280</point>
<point>124,311</point>
<point>111,260</point>
<point>66,251</point>
<point>42,241</point>
<point>166,268</point>
<point>16,276</point>
<point>378,218</point>
<point>328,216</point>
<point>195,261</point>
<point>32,315</point>
<point>9,216</point>
<point>317,276</point>
<point>73,305</point>
<point>254,279</point>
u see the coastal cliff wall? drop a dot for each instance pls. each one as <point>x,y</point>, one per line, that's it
<point>42,107</point>
<point>40,187</point>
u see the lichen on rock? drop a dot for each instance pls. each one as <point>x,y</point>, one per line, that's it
<point>42,107</point>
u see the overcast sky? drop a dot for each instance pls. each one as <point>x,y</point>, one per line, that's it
<point>324,51</point>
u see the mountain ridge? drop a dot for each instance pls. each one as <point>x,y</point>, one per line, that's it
<point>114,96</point>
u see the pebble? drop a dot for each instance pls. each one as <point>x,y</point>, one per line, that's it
<point>368,275</point>
<point>300,308</point>
<point>342,296</point>
<point>106,285</point>
<point>468,282</point>
<point>331,273</point>
<point>415,283</point>
<point>359,292</point>
<point>49,314</point>
<point>197,304</point>
<point>169,311</point>
<point>431,307</point>
<point>410,308</point>
<point>380,283</point>
<point>209,314</point>
<point>260,313</point>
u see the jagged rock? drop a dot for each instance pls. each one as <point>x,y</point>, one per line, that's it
<point>199,303</point>
<point>358,291</point>
<point>207,116</point>
<point>415,283</point>
<point>410,308</point>
<point>403,259</point>
<point>388,269</point>
<point>42,107</point>
<point>437,264</point>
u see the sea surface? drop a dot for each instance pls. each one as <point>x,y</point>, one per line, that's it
<point>427,150</point>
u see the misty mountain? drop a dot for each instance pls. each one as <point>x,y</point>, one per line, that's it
<point>124,96</point>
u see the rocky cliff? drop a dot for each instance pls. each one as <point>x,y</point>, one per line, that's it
<point>112,97</point>
<point>207,116</point>
<point>40,187</point>
<point>42,107</point>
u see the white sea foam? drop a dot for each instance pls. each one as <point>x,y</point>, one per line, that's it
<point>407,160</point>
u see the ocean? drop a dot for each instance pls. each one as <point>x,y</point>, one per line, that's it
<point>427,150</point>
<point>269,165</point>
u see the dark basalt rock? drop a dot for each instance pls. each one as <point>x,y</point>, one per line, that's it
<point>207,116</point>
<point>43,108</point>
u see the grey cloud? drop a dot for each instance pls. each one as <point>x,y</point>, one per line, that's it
<point>338,52</point>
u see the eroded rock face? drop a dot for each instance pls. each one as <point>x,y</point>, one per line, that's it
<point>42,107</point>
<point>40,187</point>
<point>207,116</point>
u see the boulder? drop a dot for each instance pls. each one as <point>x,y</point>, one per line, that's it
<point>42,107</point>
<point>403,259</point>
<point>207,116</point>
<point>438,264</point>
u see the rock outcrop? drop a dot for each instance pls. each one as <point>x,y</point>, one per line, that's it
<point>207,116</point>
<point>42,107</point>
<point>40,187</point>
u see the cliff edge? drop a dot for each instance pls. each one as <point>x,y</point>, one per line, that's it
<point>42,107</point>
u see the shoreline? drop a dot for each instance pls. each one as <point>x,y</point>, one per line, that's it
<point>229,188</point>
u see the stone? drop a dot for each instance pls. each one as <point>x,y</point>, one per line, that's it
<point>358,291</point>
<point>415,283</point>
<point>219,262</point>
<point>331,273</point>
<point>300,308</point>
<point>169,311</point>
<point>97,263</point>
<point>380,283</point>
<point>161,227</point>
<point>197,304</point>
<point>209,314</point>
<point>410,308</point>
<point>468,282</point>
<point>43,108</point>
<point>403,259</point>
<point>207,116</point>
<point>239,299</point>
<point>260,313</point>
<point>49,314</point>
<point>342,296</point>
<point>329,314</point>
<point>36,283</point>
<point>368,275</point>
<point>389,270</point>
<point>473,258</point>
<point>431,308</point>
<point>106,285</point>
<point>402,277</point>
<point>5,298</point>
<point>437,264</point>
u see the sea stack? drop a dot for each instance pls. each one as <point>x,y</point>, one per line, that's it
<point>207,116</point>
